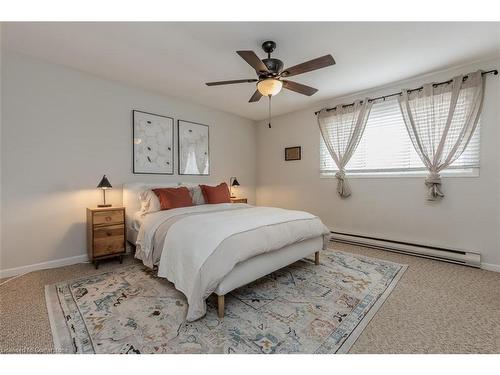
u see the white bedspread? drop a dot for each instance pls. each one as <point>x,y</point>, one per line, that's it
<point>195,237</point>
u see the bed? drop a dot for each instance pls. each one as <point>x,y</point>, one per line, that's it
<point>216,248</point>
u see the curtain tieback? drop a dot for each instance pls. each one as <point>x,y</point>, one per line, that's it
<point>342,186</point>
<point>433,183</point>
<point>340,175</point>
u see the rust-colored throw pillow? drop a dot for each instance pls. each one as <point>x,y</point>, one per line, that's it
<point>173,197</point>
<point>216,194</point>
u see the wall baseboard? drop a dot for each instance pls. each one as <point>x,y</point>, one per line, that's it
<point>9,272</point>
<point>490,267</point>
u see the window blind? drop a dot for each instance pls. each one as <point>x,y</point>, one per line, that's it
<point>385,147</point>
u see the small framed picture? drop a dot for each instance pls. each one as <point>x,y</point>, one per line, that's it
<point>293,153</point>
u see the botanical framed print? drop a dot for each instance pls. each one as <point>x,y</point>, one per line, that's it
<point>193,148</point>
<point>153,143</point>
<point>293,153</point>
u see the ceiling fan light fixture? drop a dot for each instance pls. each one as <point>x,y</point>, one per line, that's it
<point>269,86</point>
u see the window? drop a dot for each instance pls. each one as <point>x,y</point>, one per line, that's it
<point>385,149</point>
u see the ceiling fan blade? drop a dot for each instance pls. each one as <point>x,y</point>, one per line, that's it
<point>298,87</point>
<point>255,97</point>
<point>231,82</point>
<point>251,58</point>
<point>320,62</point>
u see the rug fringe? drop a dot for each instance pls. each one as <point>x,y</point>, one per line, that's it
<point>60,335</point>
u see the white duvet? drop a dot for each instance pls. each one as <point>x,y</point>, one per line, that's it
<point>201,230</point>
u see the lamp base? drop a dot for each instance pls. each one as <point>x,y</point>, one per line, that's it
<point>103,205</point>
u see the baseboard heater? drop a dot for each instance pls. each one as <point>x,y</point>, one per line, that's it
<point>448,255</point>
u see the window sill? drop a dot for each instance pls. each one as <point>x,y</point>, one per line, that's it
<point>416,174</point>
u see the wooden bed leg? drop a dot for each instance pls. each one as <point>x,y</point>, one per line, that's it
<point>316,258</point>
<point>220,306</point>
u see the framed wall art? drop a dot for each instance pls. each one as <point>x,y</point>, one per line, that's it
<point>153,143</point>
<point>293,153</point>
<point>193,148</point>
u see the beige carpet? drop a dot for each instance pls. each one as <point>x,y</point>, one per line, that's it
<point>435,308</point>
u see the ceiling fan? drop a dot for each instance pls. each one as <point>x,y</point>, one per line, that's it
<point>270,73</point>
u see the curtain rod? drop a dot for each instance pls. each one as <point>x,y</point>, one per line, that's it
<point>494,72</point>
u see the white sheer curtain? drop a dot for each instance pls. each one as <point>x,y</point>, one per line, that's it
<point>441,120</point>
<point>341,129</point>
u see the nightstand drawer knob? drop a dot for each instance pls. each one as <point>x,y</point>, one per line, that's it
<point>109,233</point>
<point>108,218</point>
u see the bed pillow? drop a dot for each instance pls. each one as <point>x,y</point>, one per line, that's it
<point>149,202</point>
<point>196,194</point>
<point>173,197</point>
<point>216,194</point>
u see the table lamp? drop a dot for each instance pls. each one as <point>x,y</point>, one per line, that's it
<point>233,182</point>
<point>104,185</point>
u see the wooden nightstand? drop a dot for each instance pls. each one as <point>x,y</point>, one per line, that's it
<point>105,233</point>
<point>238,200</point>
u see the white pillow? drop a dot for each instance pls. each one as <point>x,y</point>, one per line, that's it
<point>196,194</point>
<point>149,202</point>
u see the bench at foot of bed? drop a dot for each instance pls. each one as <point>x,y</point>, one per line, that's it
<point>221,299</point>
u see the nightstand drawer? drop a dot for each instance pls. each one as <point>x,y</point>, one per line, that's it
<point>108,231</point>
<point>108,217</point>
<point>110,245</point>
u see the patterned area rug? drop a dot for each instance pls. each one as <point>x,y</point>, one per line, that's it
<point>302,308</point>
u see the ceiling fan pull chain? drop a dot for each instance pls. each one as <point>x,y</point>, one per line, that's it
<point>269,124</point>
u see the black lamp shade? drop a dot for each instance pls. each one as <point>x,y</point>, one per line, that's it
<point>235,182</point>
<point>104,184</point>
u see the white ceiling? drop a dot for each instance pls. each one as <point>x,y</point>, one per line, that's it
<point>177,58</point>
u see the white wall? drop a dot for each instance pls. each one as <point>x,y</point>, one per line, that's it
<point>62,130</point>
<point>394,208</point>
